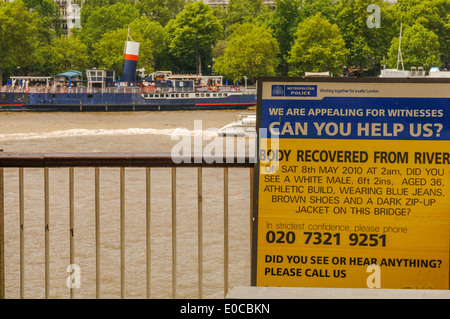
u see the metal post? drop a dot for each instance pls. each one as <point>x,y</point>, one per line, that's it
<point>252,183</point>
<point>122,232</point>
<point>97,232</point>
<point>200,232</point>
<point>2,237</point>
<point>225,230</point>
<point>174,233</point>
<point>47,232</point>
<point>148,229</point>
<point>22,235</point>
<point>71,223</point>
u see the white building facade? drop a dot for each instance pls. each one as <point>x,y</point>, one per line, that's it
<point>70,14</point>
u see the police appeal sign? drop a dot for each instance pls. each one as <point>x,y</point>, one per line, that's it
<point>353,184</point>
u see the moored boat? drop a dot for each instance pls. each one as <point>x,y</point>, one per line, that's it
<point>103,95</point>
<point>243,126</point>
<point>103,91</point>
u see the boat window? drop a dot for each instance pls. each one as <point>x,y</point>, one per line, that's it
<point>207,94</point>
<point>21,97</point>
<point>220,94</point>
<point>3,97</point>
<point>177,95</point>
<point>202,94</point>
<point>214,94</point>
<point>172,95</point>
<point>196,94</point>
<point>225,94</point>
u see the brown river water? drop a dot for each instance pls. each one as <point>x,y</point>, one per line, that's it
<point>122,132</point>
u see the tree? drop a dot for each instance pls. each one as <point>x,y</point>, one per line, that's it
<point>194,30</point>
<point>66,53</point>
<point>108,51</point>
<point>242,11</point>
<point>365,43</point>
<point>101,20</point>
<point>434,15</point>
<point>252,51</point>
<point>161,10</point>
<point>18,29</point>
<point>154,31</point>
<point>419,47</point>
<point>49,14</point>
<point>318,47</point>
<point>284,24</point>
<point>309,8</point>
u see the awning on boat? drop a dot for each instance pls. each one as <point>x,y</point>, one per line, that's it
<point>68,74</point>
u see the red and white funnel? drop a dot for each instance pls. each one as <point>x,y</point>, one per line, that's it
<point>130,58</point>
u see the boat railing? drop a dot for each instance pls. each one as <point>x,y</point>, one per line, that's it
<point>126,89</point>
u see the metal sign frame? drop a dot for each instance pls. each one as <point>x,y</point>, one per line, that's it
<point>306,81</point>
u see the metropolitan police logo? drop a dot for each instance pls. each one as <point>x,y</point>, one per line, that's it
<point>277,90</point>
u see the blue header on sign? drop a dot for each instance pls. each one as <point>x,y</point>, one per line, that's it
<point>356,118</point>
<point>294,90</point>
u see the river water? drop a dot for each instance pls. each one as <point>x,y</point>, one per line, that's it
<point>122,132</point>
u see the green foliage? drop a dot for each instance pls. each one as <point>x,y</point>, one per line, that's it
<point>18,29</point>
<point>284,22</point>
<point>108,51</point>
<point>364,43</point>
<point>104,19</point>
<point>434,15</point>
<point>148,29</point>
<point>242,11</point>
<point>310,35</point>
<point>327,8</point>
<point>66,53</point>
<point>194,28</point>
<point>318,47</point>
<point>49,13</point>
<point>419,47</point>
<point>161,10</point>
<point>252,51</point>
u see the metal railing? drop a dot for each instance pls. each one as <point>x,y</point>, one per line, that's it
<point>48,161</point>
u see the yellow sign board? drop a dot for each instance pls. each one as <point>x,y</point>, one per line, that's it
<point>354,191</point>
